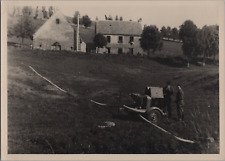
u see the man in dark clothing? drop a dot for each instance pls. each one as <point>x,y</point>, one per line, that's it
<point>168,92</point>
<point>180,103</point>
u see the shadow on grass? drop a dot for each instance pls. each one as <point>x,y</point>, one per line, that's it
<point>171,61</point>
<point>128,117</point>
<point>181,62</point>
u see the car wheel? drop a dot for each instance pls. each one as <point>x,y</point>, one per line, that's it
<point>154,116</point>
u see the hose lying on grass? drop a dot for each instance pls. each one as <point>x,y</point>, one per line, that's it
<point>103,104</point>
<point>176,137</point>
<point>98,103</point>
<point>47,80</point>
<point>167,132</point>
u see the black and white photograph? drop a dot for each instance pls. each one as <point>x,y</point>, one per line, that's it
<point>112,77</point>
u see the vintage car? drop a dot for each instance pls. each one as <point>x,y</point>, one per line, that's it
<point>151,104</point>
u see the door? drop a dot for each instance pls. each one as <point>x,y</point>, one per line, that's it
<point>131,51</point>
<point>108,50</point>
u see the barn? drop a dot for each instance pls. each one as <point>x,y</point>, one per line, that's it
<point>57,34</point>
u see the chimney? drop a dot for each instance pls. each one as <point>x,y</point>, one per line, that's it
<point>77,36</point>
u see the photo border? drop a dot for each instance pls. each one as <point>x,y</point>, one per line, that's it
<point>4,129</point>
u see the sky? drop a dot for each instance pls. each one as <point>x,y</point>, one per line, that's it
<point>159,13</point>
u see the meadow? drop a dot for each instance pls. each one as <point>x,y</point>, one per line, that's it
<point>44,120</point>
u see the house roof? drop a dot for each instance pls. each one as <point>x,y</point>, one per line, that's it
<point>110,27</point>
<point>87,34</point>
<point>49,30</point>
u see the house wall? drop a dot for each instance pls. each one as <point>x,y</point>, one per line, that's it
<point>82,47</point>
<point>46,44</point>
<point>100,50</point>
<point>125,45</point>
<point>51,32</point>
<point>81,44</point>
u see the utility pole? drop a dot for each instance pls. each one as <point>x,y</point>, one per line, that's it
<point>78,18</point>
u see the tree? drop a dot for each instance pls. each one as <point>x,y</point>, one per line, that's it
<point>215,43</point>
<point>86,21</point>
<point>99,41</point>
<point>24,28</point>
<point>200,46</point>
<point>187,34</point>
<point>14,11</point>
<point>207,42</point>
<point>116,18</point>
<point>164,32</point>
<point>75,17</point>
<point>18,11</point>
<point>45,13</point>
<point>211,41</point>
<point>50,11</point>
<point>175,33</point>
<point>36,13</point>
<point>27,11</point>
<point>150,39</point>
<point>169,33</point>
<point>160,47</point>
<point>121,18</point>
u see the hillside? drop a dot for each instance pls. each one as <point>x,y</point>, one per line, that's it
<point>39,115</point>
<point>170,48</point>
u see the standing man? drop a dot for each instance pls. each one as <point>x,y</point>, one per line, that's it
<point>180,103</point>
<point>168,92</point>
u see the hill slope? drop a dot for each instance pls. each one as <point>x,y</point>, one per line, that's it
<point>39,115</point>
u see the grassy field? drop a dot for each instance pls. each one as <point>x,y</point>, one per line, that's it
<point>42,119</point>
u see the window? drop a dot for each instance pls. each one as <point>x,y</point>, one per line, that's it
<point>120,50</point>
<point>131,39</point>
<point>108,39</point>
<point>57,21</point>
<point>120,39</point>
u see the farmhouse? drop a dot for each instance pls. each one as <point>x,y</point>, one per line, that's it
<point>122,36</point>
<point>57,34</point>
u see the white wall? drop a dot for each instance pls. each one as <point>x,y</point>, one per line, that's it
<point>125,45</point>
